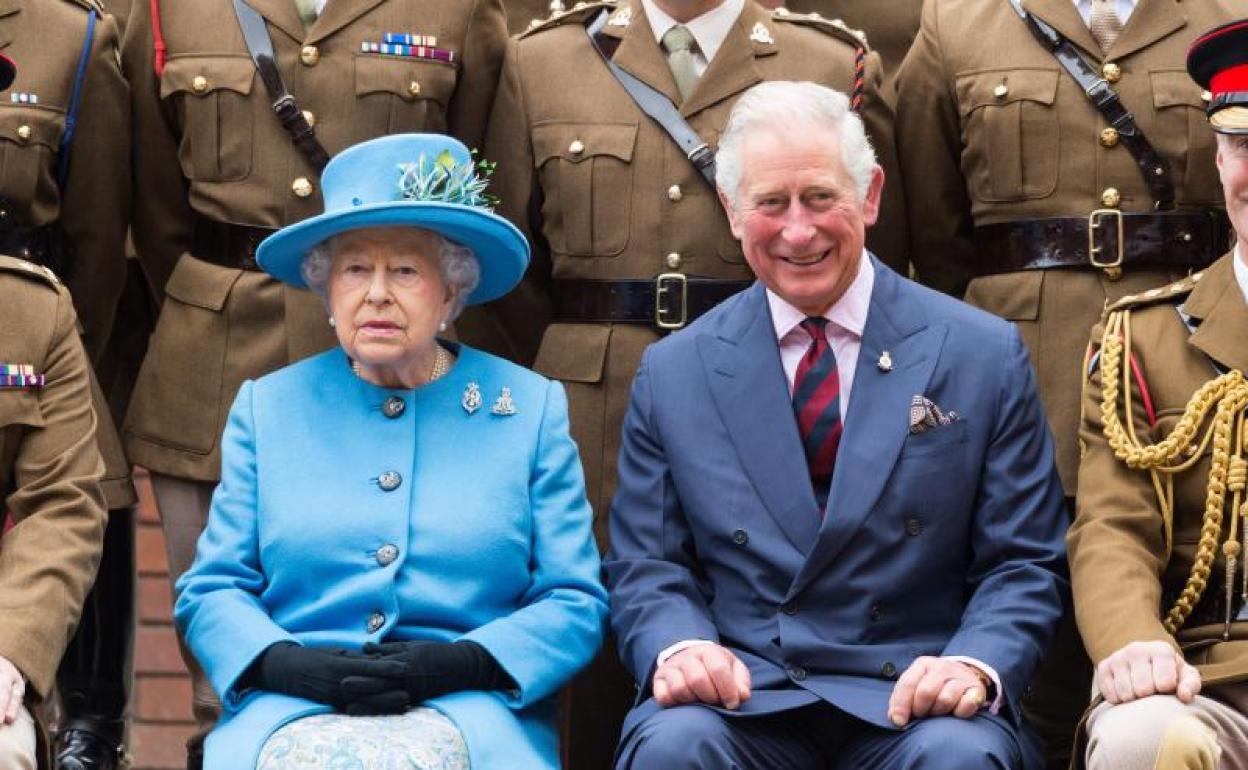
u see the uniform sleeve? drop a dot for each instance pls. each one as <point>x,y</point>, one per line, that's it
<point>95,204</point>
<point>218,608</point>
<point>1117,543</point>
<point>48,560</point>
<point>484,46</point>
<point>561,622</point>
<point>162,212</point>
<point>888,238</point>
<point>526,311</point>
<point>930,155</point>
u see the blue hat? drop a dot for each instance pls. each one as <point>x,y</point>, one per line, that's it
<point>428,181</point>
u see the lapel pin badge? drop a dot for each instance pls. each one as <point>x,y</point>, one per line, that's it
<point>760,34</point>
<point>471,400</point>
<point>503,406</point>
<point>885,364</point>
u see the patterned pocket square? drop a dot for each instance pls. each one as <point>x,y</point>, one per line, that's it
<point>925,415</point>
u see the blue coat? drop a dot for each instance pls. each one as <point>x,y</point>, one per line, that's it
<point>947,542</point>
<point>490,521</point>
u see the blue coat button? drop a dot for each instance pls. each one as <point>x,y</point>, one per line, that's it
<point>389,481</point>
<point>394,407</point>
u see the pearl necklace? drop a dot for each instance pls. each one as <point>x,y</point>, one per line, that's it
<point>441,364</point>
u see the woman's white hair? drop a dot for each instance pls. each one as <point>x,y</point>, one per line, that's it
<point>457,265</point>
<point>782,105</point>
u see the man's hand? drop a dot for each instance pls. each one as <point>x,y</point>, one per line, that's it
<point>704,673</point>
<point>1141,669</point>
<point>12,690</point>
<point>934,687</point>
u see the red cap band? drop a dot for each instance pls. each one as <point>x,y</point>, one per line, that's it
<point>1230,80</point>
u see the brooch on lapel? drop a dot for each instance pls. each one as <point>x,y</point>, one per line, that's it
<point>471,400</point>
<point>20,376</point>
<point>503,406</point>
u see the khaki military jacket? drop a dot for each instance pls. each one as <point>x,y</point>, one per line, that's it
<point>45,38</point>
<point>49,475</point>
<point>605,194</point>
<point>996,131</point>
<point>1117,544</point>
<point>890,25</point>
<point>211,145</point>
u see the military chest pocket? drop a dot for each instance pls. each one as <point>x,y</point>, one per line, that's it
<point>1010,133</point>
<point>30,137</point>
<point>587,181</point>
<point>212,96</point>
<point>19,412</point>
<point>1183,136</point>
<point>414,94</point>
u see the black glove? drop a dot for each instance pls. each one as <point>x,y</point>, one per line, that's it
<point>346,680</point>
<point>438,668</point>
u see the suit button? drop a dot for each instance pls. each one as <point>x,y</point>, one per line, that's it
<point>577,147</point>
<point>913,527</point>
<point>301,187</point>
<point>393,407</point>
<point>788,608</point>
<point>199,84</point>
<point>1110,198</point>
<point>413,88</point>
<point>310,55</point>
<point>375,622</point>
<point>1001,91</point>
<point>888,670</point>
<point>797,673</point>
<point>23,133</point>
<point>1109,137</point>
<point>389,481</point>
<point>674,193</point>
<point>673,260</point>
<point>876,612</point>
<point>740,537</point>
<point>1111,72</point>
<point>387,554</point>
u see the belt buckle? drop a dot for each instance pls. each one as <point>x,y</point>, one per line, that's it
<point>1112,268</point>
<point>663,286</point>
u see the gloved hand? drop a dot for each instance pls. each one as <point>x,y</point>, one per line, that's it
<point>346,680</point>
<point>438,668</point>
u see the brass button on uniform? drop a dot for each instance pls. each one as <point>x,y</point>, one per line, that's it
<point>301,187</point>
<point>674,193</point>
<point>1109,137</point>
<point>672,260</point>
<point>413,88</point>
<point>1110,198</point>
<point>393,407</point>
<point>389,481</point>
<point>310,55</point>
<point>577,147</point>
<point>1001,90</point>
<point>1111,72</point>
<point>1206,96</point>
<point>308,116</point>
<point>387,554</point>
<point>23,132</point>
<point>199,84</point>
<point>375,622</point>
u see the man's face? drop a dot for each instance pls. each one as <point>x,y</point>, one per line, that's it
<point>1233,169</point>
<point>798,216</point>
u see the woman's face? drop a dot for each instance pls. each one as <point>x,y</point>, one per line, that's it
<point>387,297</point>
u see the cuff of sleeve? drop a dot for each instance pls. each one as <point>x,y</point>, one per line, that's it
<point>991,672</point>
<point>668,652</point>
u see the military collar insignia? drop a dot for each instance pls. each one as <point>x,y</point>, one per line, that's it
<point>20,376</point>
<point>760,34</point>
<point>621,18</point>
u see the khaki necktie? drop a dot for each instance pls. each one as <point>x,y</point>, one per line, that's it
<point>307,11</point>
<point>678,42</point>
<point>1104,23</point>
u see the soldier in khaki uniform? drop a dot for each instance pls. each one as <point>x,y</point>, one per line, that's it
<point>64,203</point>
<point>50,481</point>
<point>218,173</point>
<point>1004,159</point>
<point>610,201</point>
<point>890,25</point>
<point>1157,552</point>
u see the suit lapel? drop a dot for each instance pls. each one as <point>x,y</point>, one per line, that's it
<point>282,14</point>
<point>337,15</point>
<point>641,56</point>
<point>733,69</point>
<point>878,420</point>
<point>1151,21</point>
<point>1219,304</point>
<point>751,395</point>
<point>1063,16</point>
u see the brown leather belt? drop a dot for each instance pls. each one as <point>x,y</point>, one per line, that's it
<point>1107,239</point>
<point>669,301</point>
<point>225,244</point>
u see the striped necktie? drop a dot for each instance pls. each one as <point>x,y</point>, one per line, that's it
<point>817,405</point>
<point>1105,23</point>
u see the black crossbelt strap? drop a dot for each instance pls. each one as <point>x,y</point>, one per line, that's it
<point>1154,168</point>
<point>655,104</point>
<point>284,106</point>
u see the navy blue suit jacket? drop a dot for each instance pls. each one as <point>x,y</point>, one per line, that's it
<point>946,542</point>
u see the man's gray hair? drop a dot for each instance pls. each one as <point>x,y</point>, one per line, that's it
<point>779,105</point>
<point>457,265</point>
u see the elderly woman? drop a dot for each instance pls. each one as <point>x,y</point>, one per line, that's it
<point>398,568</point>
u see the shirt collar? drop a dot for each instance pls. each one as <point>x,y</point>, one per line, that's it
<point>709,30</point>
<point>848,313</point>
<point>1241,271</point>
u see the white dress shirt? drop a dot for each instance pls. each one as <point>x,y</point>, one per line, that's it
<point>846,320</point>
<point>1241,271</point>
<point>709,30</point>
<point>1124,8</point>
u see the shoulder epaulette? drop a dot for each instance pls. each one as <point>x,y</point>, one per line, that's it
<point>29,269</point>
<point>834,27</point>
<point>1175,291</point>
<point>90,5</point>
<point>577,13</point>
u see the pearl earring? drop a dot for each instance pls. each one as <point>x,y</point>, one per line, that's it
<point>332,322</point>
<point>442,326</point>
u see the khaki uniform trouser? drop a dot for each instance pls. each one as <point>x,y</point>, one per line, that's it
<point>17,743</point>
<point>184,508</point>
<point>1162,733</point>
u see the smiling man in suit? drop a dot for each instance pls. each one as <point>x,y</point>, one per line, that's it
<point>804,580</point>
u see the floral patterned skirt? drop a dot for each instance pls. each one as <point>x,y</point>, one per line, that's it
<point>421,739</point>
